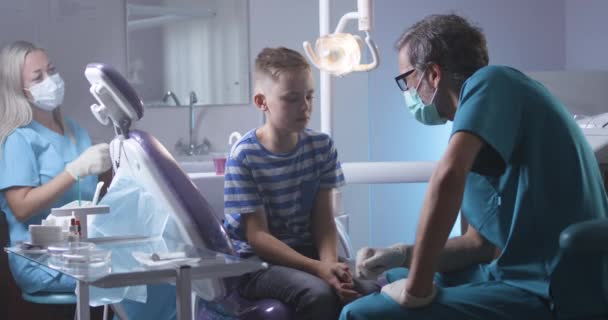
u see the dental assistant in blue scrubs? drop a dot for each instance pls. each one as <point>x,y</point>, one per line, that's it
<point>518,168</point>
<point>42,155</point>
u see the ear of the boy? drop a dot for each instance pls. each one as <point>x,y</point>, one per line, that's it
<point>259,99</point>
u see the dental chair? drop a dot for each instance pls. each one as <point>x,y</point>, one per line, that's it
<point>191,214</point>
<point>586,243</point>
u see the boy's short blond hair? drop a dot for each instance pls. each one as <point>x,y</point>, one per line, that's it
<point>272,62</point>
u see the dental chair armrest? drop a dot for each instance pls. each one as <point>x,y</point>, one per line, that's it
<point>587,237</point>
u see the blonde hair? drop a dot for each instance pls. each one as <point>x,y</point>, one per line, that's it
<point>271,62</point>
<point>15,109</point>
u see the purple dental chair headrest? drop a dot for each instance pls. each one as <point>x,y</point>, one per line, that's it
<point>119,104</point>
<point>122,85</point>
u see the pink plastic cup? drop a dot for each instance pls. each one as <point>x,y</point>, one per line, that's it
<point>219,162</point>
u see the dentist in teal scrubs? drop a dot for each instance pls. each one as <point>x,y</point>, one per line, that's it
<point>518,168</point>
<point>42,154</point>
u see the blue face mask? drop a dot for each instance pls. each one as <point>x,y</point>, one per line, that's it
<point>424,113</point>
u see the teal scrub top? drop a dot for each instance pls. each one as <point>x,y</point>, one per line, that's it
<point>31,156</point>
<point>535,175</point>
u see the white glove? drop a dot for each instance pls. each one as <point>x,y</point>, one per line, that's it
<point>371,262</point>
<point>396,290</point>
<point>93,161</point>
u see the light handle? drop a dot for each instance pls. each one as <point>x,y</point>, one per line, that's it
<point>373,49</point>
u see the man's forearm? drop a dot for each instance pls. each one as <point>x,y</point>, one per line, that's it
<point>461,252</point>
<point>439,212</point>
<point>442,202</point>
<point>458,253</point>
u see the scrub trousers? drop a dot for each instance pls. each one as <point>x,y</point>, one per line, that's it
<point>464,295</point>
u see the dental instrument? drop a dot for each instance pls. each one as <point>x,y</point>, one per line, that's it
<point>97,192</point>
<point>79,194</point>
<point>168,256</point>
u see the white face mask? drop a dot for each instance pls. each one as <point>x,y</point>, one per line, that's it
<point>48,94</point>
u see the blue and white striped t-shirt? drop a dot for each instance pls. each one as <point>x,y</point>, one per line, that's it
<point>285,185</point>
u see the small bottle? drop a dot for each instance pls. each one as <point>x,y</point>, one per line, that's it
<point>73,231</point>
<point>78,230</point>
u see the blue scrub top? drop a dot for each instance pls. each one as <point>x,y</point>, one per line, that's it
<point>535,176</point>
<point>31,156</point>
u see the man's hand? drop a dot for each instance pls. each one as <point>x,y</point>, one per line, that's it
<point>338,276</point>
<point>396,290</point>
<point>371,262</point>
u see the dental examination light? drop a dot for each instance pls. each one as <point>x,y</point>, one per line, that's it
<point>339,53</point>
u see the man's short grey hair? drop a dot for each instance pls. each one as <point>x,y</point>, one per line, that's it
<point>450,41</point>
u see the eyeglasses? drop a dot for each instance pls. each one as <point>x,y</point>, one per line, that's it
<point>401,81</point>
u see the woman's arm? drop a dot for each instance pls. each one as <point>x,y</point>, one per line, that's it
<point>25,202</point>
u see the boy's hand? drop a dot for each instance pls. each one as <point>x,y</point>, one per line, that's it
<point>338,276</point>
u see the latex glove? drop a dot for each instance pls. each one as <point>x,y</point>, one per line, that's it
<point>396,290</point>
<point>93,161</point>
<point>371,262</point>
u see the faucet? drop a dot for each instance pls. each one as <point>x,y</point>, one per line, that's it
<point>191,148</point>
<point>191,101</point>
<point>171,95</point>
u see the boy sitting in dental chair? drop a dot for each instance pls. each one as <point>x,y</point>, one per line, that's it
<point>278,189</point>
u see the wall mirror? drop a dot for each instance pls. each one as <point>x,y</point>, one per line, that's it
<point>188,51</point>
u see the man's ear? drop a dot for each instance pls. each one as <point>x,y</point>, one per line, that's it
<point>259,99</point>
<point>435,74</point>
